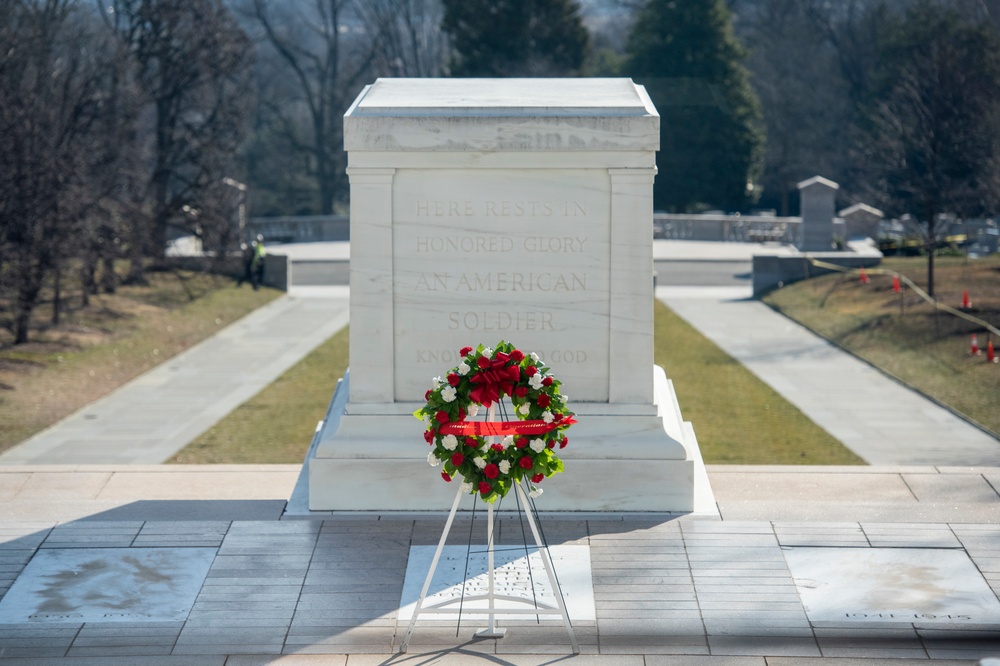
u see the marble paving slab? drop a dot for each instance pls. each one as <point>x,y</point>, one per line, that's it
<point>910,585</point>
<point>512,577</point>
<point>107,585</point>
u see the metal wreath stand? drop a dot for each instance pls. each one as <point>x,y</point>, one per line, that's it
<point>535,607</point>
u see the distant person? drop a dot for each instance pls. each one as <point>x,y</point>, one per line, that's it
<point>257,262</point>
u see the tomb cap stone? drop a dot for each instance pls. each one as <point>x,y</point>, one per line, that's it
<point>502,114</point>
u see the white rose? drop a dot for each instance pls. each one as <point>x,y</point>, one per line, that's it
<point>487,352</point>
<point>547,416</point>
<point>473,409</point>
<point>427,418</point>
<point>480,463</point>
<point>449,442</point>
<point>448,393</point>
<point>535,492</point>
<point>432,461</point>
<point>524,409</point>
<point>507,442</point>
<point>438,381</point>
<point>535,357</point>
<point>537,445</point>
<point>463,368</point>
<point>536,381</point>
<point>562,398</point>
<point>466,487</point>
<point>504,466</point>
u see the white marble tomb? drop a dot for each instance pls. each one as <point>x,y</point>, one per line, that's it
<point>515,209</point>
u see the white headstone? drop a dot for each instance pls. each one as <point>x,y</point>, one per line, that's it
<point>817,200</point>
<point>503,209</point>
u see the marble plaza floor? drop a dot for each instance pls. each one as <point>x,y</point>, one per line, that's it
<point>174,565</point>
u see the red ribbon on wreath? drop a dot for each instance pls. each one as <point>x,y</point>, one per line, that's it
<point>502,428</point>
<point>494,380</point>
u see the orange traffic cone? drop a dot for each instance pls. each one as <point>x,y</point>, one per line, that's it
<point>974,347</point>
<point>990,356</point>
<point>896,288</point>
<point>864,276</point>
<point>966,303</point>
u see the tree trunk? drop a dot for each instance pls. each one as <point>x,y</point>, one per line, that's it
<point>931,243</point>
<point>109,279</point>
<point>136,273</point>
<point>56,296</point>
<point>88,274</point>
<point>27,297</point>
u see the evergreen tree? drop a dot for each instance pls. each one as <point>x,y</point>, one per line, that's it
<point>506,38</point>
<point>711,144</point>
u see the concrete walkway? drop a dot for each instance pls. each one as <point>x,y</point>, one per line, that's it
<point>876,417</point>
<point>154,416</point>
<point>838,565</point>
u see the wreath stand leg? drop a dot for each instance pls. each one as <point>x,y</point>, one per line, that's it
<point>492,631</point>
<point>430,574</point>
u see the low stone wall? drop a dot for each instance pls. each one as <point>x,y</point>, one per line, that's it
<point>300,229</point>
<point>773,271</point>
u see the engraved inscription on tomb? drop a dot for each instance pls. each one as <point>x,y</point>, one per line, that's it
<point>499,208</point>
<point>517,255</point>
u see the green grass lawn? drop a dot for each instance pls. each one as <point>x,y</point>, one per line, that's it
<point>276,425</point>
<point>737,418</point>
<point>97,348</point>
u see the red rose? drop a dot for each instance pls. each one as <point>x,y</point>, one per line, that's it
<point>446,476</point>
<point>557,417</point>
<point>461,414</point>
<point>531,371</point>
<point>454,379</point>
<point>491,471</point>
<point>464,351</point>
<point>544,400</point>
<point>497,447</point>
<point>547,381</point>
<point>482,362</point>
<point>521,442</point>
<point>471,442</point>
<point>427,396</point>
<point>442,416</point>
<point>485,488</point>
<point>517,356</point>
<point>521,391</point>
<point>551,444</point>
<point>457,459</point>
<point>537,478</point>
<point>428,436</point>
<point>526,462</point>
<point>563,442</point>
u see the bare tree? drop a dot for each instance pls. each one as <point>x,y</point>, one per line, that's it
<point>192,63</point>
<point>325,58</point>
<point>806,107</point>
<point>50,96</point>
<point>933,140</point>
<point>406,35</point>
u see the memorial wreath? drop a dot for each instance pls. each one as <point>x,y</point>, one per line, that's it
<point>492,456</point>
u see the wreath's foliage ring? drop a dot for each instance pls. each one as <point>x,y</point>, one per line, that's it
<point>491,464</point>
